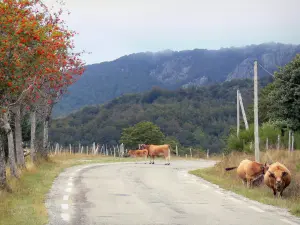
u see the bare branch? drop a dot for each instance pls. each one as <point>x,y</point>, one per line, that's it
<point>21,96</point>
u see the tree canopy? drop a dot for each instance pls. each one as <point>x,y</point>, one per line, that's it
<point>284,97</point>
<point>143,132</point>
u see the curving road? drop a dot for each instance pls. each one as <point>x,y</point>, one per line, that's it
<point>143,194</point>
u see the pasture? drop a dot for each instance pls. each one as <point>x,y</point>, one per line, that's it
<point>229,180</point>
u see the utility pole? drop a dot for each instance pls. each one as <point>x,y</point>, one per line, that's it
<point>256,136</point>
<point>243,110</point>
<point>237,114</point>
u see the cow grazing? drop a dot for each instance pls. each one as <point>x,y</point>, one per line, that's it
<point>278,177</point>
<point>138,153</point>
<point>158,150</point>
<point>250,171</point>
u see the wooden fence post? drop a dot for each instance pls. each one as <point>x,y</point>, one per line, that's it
<point>292,148</point>
<point>289,140</point>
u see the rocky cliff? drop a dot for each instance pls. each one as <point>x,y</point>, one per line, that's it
<point>171,69</point>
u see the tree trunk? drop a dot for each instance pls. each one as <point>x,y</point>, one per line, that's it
<point>32,140</point>
<point>18,137</point>
<point>3,183</point>
<point>45,139</point>
<point>11,146</point>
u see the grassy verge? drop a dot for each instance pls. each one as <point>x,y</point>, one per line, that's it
<point>26,204</point>
<point>229,180</point>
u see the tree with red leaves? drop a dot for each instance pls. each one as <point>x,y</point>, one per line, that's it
<point>36,61</point>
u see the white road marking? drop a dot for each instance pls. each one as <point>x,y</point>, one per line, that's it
<point>65,216</point>
<point>77,170</point>
<point>66,197</point>
<point>70,184</point>
<point>68,190</point>
<point>204,185</point>
<point>220,193</point>
<point>72,174</point>
<point>256,209</point>
<point>234,199</point>
<point>64,206</point>
<point>288,222</point>
<point>70,178</point>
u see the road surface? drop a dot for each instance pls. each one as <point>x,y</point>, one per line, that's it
<point>143,194</point>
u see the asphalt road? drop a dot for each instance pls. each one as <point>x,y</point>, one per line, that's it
<point>143,194</point>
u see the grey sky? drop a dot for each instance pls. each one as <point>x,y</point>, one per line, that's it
<point>113,28</point>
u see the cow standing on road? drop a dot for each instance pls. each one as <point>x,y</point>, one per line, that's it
<point>158,150</point>
<point>138,153</point>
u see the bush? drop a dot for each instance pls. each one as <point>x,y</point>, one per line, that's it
<point>234,143</point>
<point>266,131</point>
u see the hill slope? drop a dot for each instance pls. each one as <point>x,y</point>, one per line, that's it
<point>195,117</point>
<point>169,69</point>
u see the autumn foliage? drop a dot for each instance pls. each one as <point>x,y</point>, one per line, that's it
<point>36,52</point>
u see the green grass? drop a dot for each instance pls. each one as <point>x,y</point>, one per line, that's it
<point>298,167</point>
<point>26,204</point>
<point>230,181</point>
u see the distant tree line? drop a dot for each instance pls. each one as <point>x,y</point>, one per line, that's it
<point>197,117</point>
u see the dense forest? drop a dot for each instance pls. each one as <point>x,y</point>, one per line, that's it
<point>198,117</point>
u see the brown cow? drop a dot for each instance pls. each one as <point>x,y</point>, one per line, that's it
<point>158,150</point>
<point>277,178</point>
<point>249,171</point>
<point>138,153</point>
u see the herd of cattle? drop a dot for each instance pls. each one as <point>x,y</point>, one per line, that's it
<point>152,151</point>
<point>276,176</point>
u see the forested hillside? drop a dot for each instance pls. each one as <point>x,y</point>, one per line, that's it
<point>199,117</point>
<point>139,72</point>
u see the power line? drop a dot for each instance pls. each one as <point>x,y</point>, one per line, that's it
<point>277,77</point>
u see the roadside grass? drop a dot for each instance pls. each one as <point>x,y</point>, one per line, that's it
<point>229,180</point>
<point>26,204</point>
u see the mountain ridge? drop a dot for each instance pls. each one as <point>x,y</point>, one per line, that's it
<point>139,72</point>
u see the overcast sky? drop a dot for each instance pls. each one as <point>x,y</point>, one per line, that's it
<point>113,28</point>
